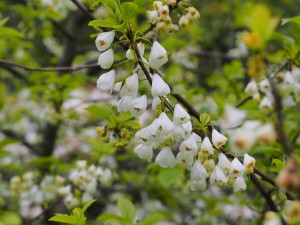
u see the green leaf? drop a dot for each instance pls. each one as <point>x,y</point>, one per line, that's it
<point>102,110</point>
<point>279,165</point>
<point>142,2</point>
<point>204,118</point>
<point>87,204</point>
<point>126,208</point>
<point>63,219</point>
<point>110,217</point>
<point>154,218</point>
<point>7,32</point>
<point>115,4</point>
<point>295,19</point>
<point>128,10</point>
<point>168,176</point>
<point>103,23</point>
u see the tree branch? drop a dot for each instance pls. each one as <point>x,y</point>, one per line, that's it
<point>243,102</point>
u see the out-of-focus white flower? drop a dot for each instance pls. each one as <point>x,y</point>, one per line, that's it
<point>81,164</point>
<point>265,86</point>
<point>265,104</point>
<point>144,152</point>
<point>187,127</point>
<point>218,139</point>
<point>157,5</point>
<point>106,81</point>
<point>139,105</point>
<point>180,115</point>
<point>251,88</point>
<point>164,11</point>
<point>236,168</point>
<point>184,21</point>
<point>185,159</point>
<point>232,117</point>
<point>159,87</point>
<point>155,102</point>
<point>197,139</point>
<point>239,184</point>
<point>271,218</point>
<point>71,202</point>
<point>195,15</point>
<point>198,185</point>
<point>266,134</point>
<point>291,212</point>
<point>64,191</point>
<point>178,131</point>
<point>165,158</point>
<point>104,40</point>
<point>198,171</point>
<point>106,59</point>
<point>158,56</point>
<point>206,146</point>
<point>131,86</point>
<point>152,16</point>
<point>249,163</point>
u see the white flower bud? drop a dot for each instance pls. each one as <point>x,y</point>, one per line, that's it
<point>158,56</point>
<point>198,185</point>
<point>236,168</point>
<point>189,146</point>
<point>180,115</point>
<point>249,163</point>
<point>106,59</point>
<point>218,139</point>
<point>224,163</point>
<point>104,40</point>
<point>185,159</point>
<point>206,146</point>
<point>159,87</point>
<point>144,152</point>
<point>265,104</point>
<point>165,158</point>
<point>265,86</point>
<point>139,105</point>
<point>239,184</point>
<point>131,86</point>
<point>152,16</point>
<point>106,81</point>
<point>251,88</point>
<point>198,171</point>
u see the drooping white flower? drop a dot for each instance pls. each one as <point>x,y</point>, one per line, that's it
<point>184,21</point>
<point>218,139</point>
<point>272,218</point>
<point>124,104</point>
<point>239,184</point>
<point>265,86</point>
<point>218,177</point>
<point>152,16</point>
<point>144,152</point>
<point>131,86</point>
<point>141,48</point>
<point>158,56</point>
<point>164,11</point>
<point>198,185</point>
<point>265,104</point>
<point>198,171</point>
<point>206,146</point>
<point>163,124</point>
<point>118,86</point>
<point>236,168</point>
<point>106,59</point>
<point>138,105</point>
<point>104,40</point>
<point>251,88</point>
<point>178,131</point>
<point>249,163</point>
<point>159,87</point>
<point>194,13</point>
<point>187,128</point>
<point>106,81</point>
<point>189,146</point>
<point>157,5</point>
<point>165,158</point>
<point>155,102</point>
<point>144,136</point>
<point>224,163</point>
<point>185,159</point>
<point>232,117</point>
<point>266,133</point>
<point>180,115</point>
<point>197,139</point>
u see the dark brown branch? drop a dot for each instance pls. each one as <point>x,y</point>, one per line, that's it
<point>243,102</point>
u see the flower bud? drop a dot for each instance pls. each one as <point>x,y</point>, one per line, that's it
<point>159,87</point>
<point>249,163</point>
<point>206,146</point>
<point>104,40</point>
<point>144,152</point>
<point>158,56</point>
<point>106,59</point>
<point>218,139</point>
<point>106,81</point>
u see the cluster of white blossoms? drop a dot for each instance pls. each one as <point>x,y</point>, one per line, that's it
<point>160,17</point>
<point>85,179</point>
<point>196,155</point>
<point>287,83</point>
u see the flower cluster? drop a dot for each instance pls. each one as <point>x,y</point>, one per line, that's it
<point>287,83</point>
<point>160,16</point>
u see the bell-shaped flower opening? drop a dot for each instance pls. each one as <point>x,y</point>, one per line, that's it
<point>249,163</point>
<point>198,171</point>
<point>165,158</point>
<point>138,105</point>
<point>144,136</point>
<point>236,168</point>
<point>189,146</point>
<point>239,184</point>
<point>104,40</point>
<point>159,87</point>
<point>198,185</point>
<point>180,115</point>
<point>144,152</point>
<point>106,59</point>
<point>185,159</point>
<point>206,146</point>
<point>106,81</point>
<point>158,56</point>
<point>218,139</point>
<point>131,86</point>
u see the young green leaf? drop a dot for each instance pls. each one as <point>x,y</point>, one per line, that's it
<point>103,23</point>
<point>204,118</point>
<point>87,204</point>
<point>63,218</point>
<point>142,2</point>
<point>295,19</point>
<point>128,10</point>
<point>127,209</point>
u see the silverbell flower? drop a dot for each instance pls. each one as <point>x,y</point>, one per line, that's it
<point>198,171</point>
<point>144,152</point>
<point>180,115</point>
<point>165,158</point>
<point>106,59</point>
<point>239,184</point>
<point>138,105</point>
<point>104,40</point>
<point>159,87</point>
<point>218,139</point>
<point>158,56</point>
<point>106,81</point>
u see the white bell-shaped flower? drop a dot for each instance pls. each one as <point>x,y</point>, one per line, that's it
<point>144,152</point>
<point>152,16</point>
<point>224,163</point>
<point>198,171</point>
<point>158,56</point>
<point>138,105</point>
<point>218,139</point>
<point>185,159</point>
<point>131,86</point>
<point>163,124</point>
<point>104,40</point>
<point>251,88</point>
<point>184,21</point>
<point>198,185</point>
<point>124,104</point>
<point>236,168</point>
<point>165,158</point>
<point>180,115</point>
<point>239,184</point>
<point>197,139</point>
<point>157,5</point>
<point>178,131</point>
<point>232,117</point>
<point>265,86</point>
<point>218,177</point>
<point>164,11</point>
<point>249,163</point>
<point>189,146</point>
<point>159,87</point>
<point>106,59</point>
<point>155,102</point>
<point>265,104</point>
<point>206,146</point>
<point>118,86</point>
<point>106,81</point>
<point>187,128</point>
<point>144,136</point>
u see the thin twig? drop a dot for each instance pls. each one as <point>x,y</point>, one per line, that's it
<point>243,102</point>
